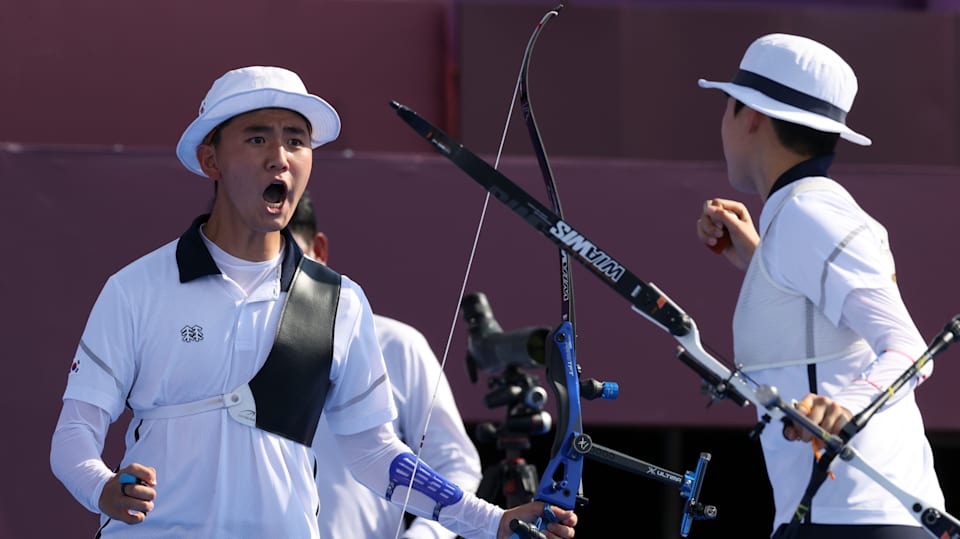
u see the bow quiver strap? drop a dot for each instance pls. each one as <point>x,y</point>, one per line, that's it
<point>291,387</point>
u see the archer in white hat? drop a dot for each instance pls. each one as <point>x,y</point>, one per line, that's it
<point>819,315</point>
<point>185,335</point>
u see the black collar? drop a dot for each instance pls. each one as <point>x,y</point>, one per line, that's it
<point>194,260</point>
<point>816,166</point>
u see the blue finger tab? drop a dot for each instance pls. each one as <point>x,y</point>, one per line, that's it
<point>549,515</point>
<point>128,479</point>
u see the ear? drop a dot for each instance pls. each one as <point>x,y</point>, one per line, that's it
<point>756,120</point>
<point>320,247</point>
<point>207,156</point>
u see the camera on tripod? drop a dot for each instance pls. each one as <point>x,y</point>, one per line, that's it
<point>493,351</point>
<point>504,356</point>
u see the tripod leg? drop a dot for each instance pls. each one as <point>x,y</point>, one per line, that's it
<point>489,488</point>
<point>520,483</point>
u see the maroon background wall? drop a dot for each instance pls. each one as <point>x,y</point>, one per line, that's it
<point>621,81</point>
<point>115,72</point>
<point>94,104</point>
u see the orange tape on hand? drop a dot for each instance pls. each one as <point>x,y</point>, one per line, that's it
<point>722,243</point>
<point>818,447</point>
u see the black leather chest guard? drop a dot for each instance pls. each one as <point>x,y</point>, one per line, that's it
<point>291,387</point>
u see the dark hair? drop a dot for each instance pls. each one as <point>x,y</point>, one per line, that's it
<point>304,219</point>
<point>800,138</point>
<point>213,137</point>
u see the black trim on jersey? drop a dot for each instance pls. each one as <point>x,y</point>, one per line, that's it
<point>811,168</point>
<point>194,260</point>
<point>812,387</point>
<point>316,512</point>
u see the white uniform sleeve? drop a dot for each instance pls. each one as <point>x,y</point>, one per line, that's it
<point>846,268</point>
<point>880,317</point>
<point>422,528</point>
<point>369,455</point>
<point>844,249</point>
<point>359,397</point>
<point>75,451</point>
<point>415,373</point>
<point>104,363</point>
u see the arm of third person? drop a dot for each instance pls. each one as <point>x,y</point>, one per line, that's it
<point>726,227</point>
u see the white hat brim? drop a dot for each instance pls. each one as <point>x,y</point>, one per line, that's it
<point>788,113</point>
<point>324,121</point>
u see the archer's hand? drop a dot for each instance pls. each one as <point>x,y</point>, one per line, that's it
<point>823,411</point>
<point>129,503</point>
<point>725,226</point>
<point>530,512</point>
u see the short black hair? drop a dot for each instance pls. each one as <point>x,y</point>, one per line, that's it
<point>304,219</point>
<point>800,138</point>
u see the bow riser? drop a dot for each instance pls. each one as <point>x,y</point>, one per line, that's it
<point>560,483</point>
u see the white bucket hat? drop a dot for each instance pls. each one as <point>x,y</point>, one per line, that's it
<point>797,80</point>
<point>251,88</point>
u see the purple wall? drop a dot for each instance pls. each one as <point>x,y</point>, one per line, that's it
<point>621,82</point>
<point>132,74</point>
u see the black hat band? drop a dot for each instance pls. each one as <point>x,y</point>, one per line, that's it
<point>785,94</point>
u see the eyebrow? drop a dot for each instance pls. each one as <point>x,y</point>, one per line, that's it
<point>257,128</point>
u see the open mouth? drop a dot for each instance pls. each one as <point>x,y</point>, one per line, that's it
<point>275,193</point>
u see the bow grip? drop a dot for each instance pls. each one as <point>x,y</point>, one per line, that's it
<point>526,530</point>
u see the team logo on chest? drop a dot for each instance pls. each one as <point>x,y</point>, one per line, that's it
<point>191,333</point>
